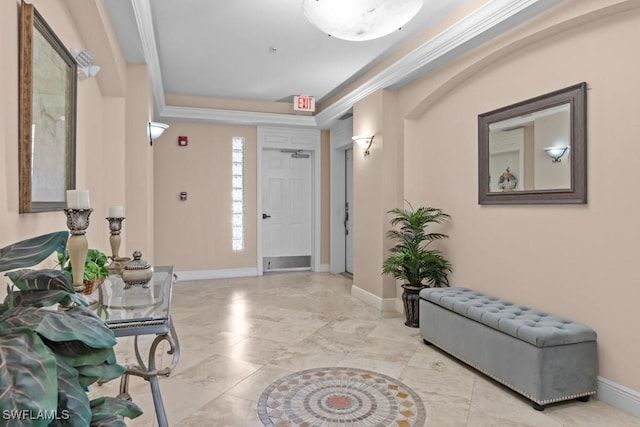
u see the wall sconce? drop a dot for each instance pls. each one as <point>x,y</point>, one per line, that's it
<point>556,153</point>
<point>364,142</point>
<point>86,67</point>
<point>155,130</point>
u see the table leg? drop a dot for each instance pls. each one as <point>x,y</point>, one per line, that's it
<point>151,373</point>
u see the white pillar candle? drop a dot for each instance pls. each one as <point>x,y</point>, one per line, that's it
<point>116,212</point>
<point>78,199</point>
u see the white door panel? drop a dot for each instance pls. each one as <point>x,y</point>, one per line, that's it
<point>287,201</point>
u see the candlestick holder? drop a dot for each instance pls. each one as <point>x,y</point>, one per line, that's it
<point>115,227</point>
<point>77,223</point>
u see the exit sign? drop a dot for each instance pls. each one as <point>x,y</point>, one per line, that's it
<point>304,103</point>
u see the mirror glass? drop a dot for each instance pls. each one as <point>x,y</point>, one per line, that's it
<point>47,116</point>
<point>534,151</point>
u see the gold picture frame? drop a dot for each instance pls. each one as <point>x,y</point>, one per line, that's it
<point>47,116</point>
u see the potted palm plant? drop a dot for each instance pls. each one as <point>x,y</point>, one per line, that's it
<point>411,260</point>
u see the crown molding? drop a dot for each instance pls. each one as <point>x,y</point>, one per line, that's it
<point>485,23</point>
<point>213,115</point>
<point>144,21</point>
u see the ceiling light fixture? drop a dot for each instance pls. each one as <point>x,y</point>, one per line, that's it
<point>155,130</point>
<point>360,20</point>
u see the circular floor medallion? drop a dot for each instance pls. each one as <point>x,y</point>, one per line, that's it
<point>339,397</point>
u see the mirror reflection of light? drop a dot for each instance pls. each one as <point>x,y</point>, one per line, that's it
<point>556,153</point>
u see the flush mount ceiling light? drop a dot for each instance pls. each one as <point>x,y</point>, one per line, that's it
<point>359,20</point>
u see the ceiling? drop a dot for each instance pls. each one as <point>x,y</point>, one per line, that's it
<point>266,50</point>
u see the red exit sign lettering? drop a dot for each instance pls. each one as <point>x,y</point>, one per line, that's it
<point>304,103</point>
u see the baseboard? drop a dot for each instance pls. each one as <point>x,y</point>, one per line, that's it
<point>399,305</point>
<point>324,268</point>
<point>216,274</point>
<point>619,396</point>
<point>382,304</point>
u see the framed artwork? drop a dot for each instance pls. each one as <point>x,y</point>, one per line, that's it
<point>47,116</point>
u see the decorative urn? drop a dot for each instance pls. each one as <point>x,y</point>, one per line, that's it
<point>137,272</point>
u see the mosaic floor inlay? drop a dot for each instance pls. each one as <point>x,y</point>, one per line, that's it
<point>339,397</point>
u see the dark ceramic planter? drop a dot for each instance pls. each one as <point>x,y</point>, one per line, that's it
<point>411,302</point>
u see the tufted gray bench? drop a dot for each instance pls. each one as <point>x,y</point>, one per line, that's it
<point>545,358</point>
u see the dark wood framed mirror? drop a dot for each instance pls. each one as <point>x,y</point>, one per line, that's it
<point>535,151</point>
<point>47,116</point>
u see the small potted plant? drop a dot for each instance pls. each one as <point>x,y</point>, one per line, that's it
<point>95,269</point>
<point>412,260</point>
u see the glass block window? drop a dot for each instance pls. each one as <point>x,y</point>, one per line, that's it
<point>237,193</point>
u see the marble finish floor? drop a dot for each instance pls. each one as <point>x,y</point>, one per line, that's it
<point>237,336</point>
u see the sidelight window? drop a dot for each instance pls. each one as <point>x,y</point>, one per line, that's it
<point>237,193</point>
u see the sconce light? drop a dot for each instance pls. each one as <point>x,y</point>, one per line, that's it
<point>155,130</point>
<point>364,142</point>
<point>86,67</point>
<point>556,153</point>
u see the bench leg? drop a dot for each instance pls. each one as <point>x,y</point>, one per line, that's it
<point>537,406</point>
<point>584,398</point>
<point>427,342</point>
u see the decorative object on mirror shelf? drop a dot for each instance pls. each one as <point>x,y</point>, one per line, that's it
<point>360,20</point>
<point>137,272</point>
<point>46,116</point>
<point>411,260</point>
<point>155,130</point>
<point>507,180</point>
<point>516,135</point>
<point>556,153</point>
<point>94,272</point>
<point>364,142</point>
<point>115,218</point>
<point>78,212</point>
<point>86,67</point>
<point>66,349</point>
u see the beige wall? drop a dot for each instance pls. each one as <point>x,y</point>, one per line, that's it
<point>196,234</point>
<point>102,137</point>
<point>377,188</point>
<point>579,261</point>
<point>139,169</point>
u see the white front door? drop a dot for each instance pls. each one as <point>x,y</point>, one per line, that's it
<point>286,210</point>
<point>348,211</point>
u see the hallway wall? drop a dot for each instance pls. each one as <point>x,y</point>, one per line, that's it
<point>578,261</point>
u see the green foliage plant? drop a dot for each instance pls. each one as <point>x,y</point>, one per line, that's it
<point>49,357</point>
<point>411,259</point>
<point>95,266</point>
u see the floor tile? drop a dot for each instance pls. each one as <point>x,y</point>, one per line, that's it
<point>239,335</point>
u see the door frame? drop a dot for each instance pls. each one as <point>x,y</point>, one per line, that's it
<point>341,141</point>
<point>283,138</point>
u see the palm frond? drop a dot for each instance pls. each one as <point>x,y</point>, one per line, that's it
<point>410,258</point>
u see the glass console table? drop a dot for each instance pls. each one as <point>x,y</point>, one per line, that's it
<point>137,311</point>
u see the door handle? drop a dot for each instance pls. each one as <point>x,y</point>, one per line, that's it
<point>265,216</point>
